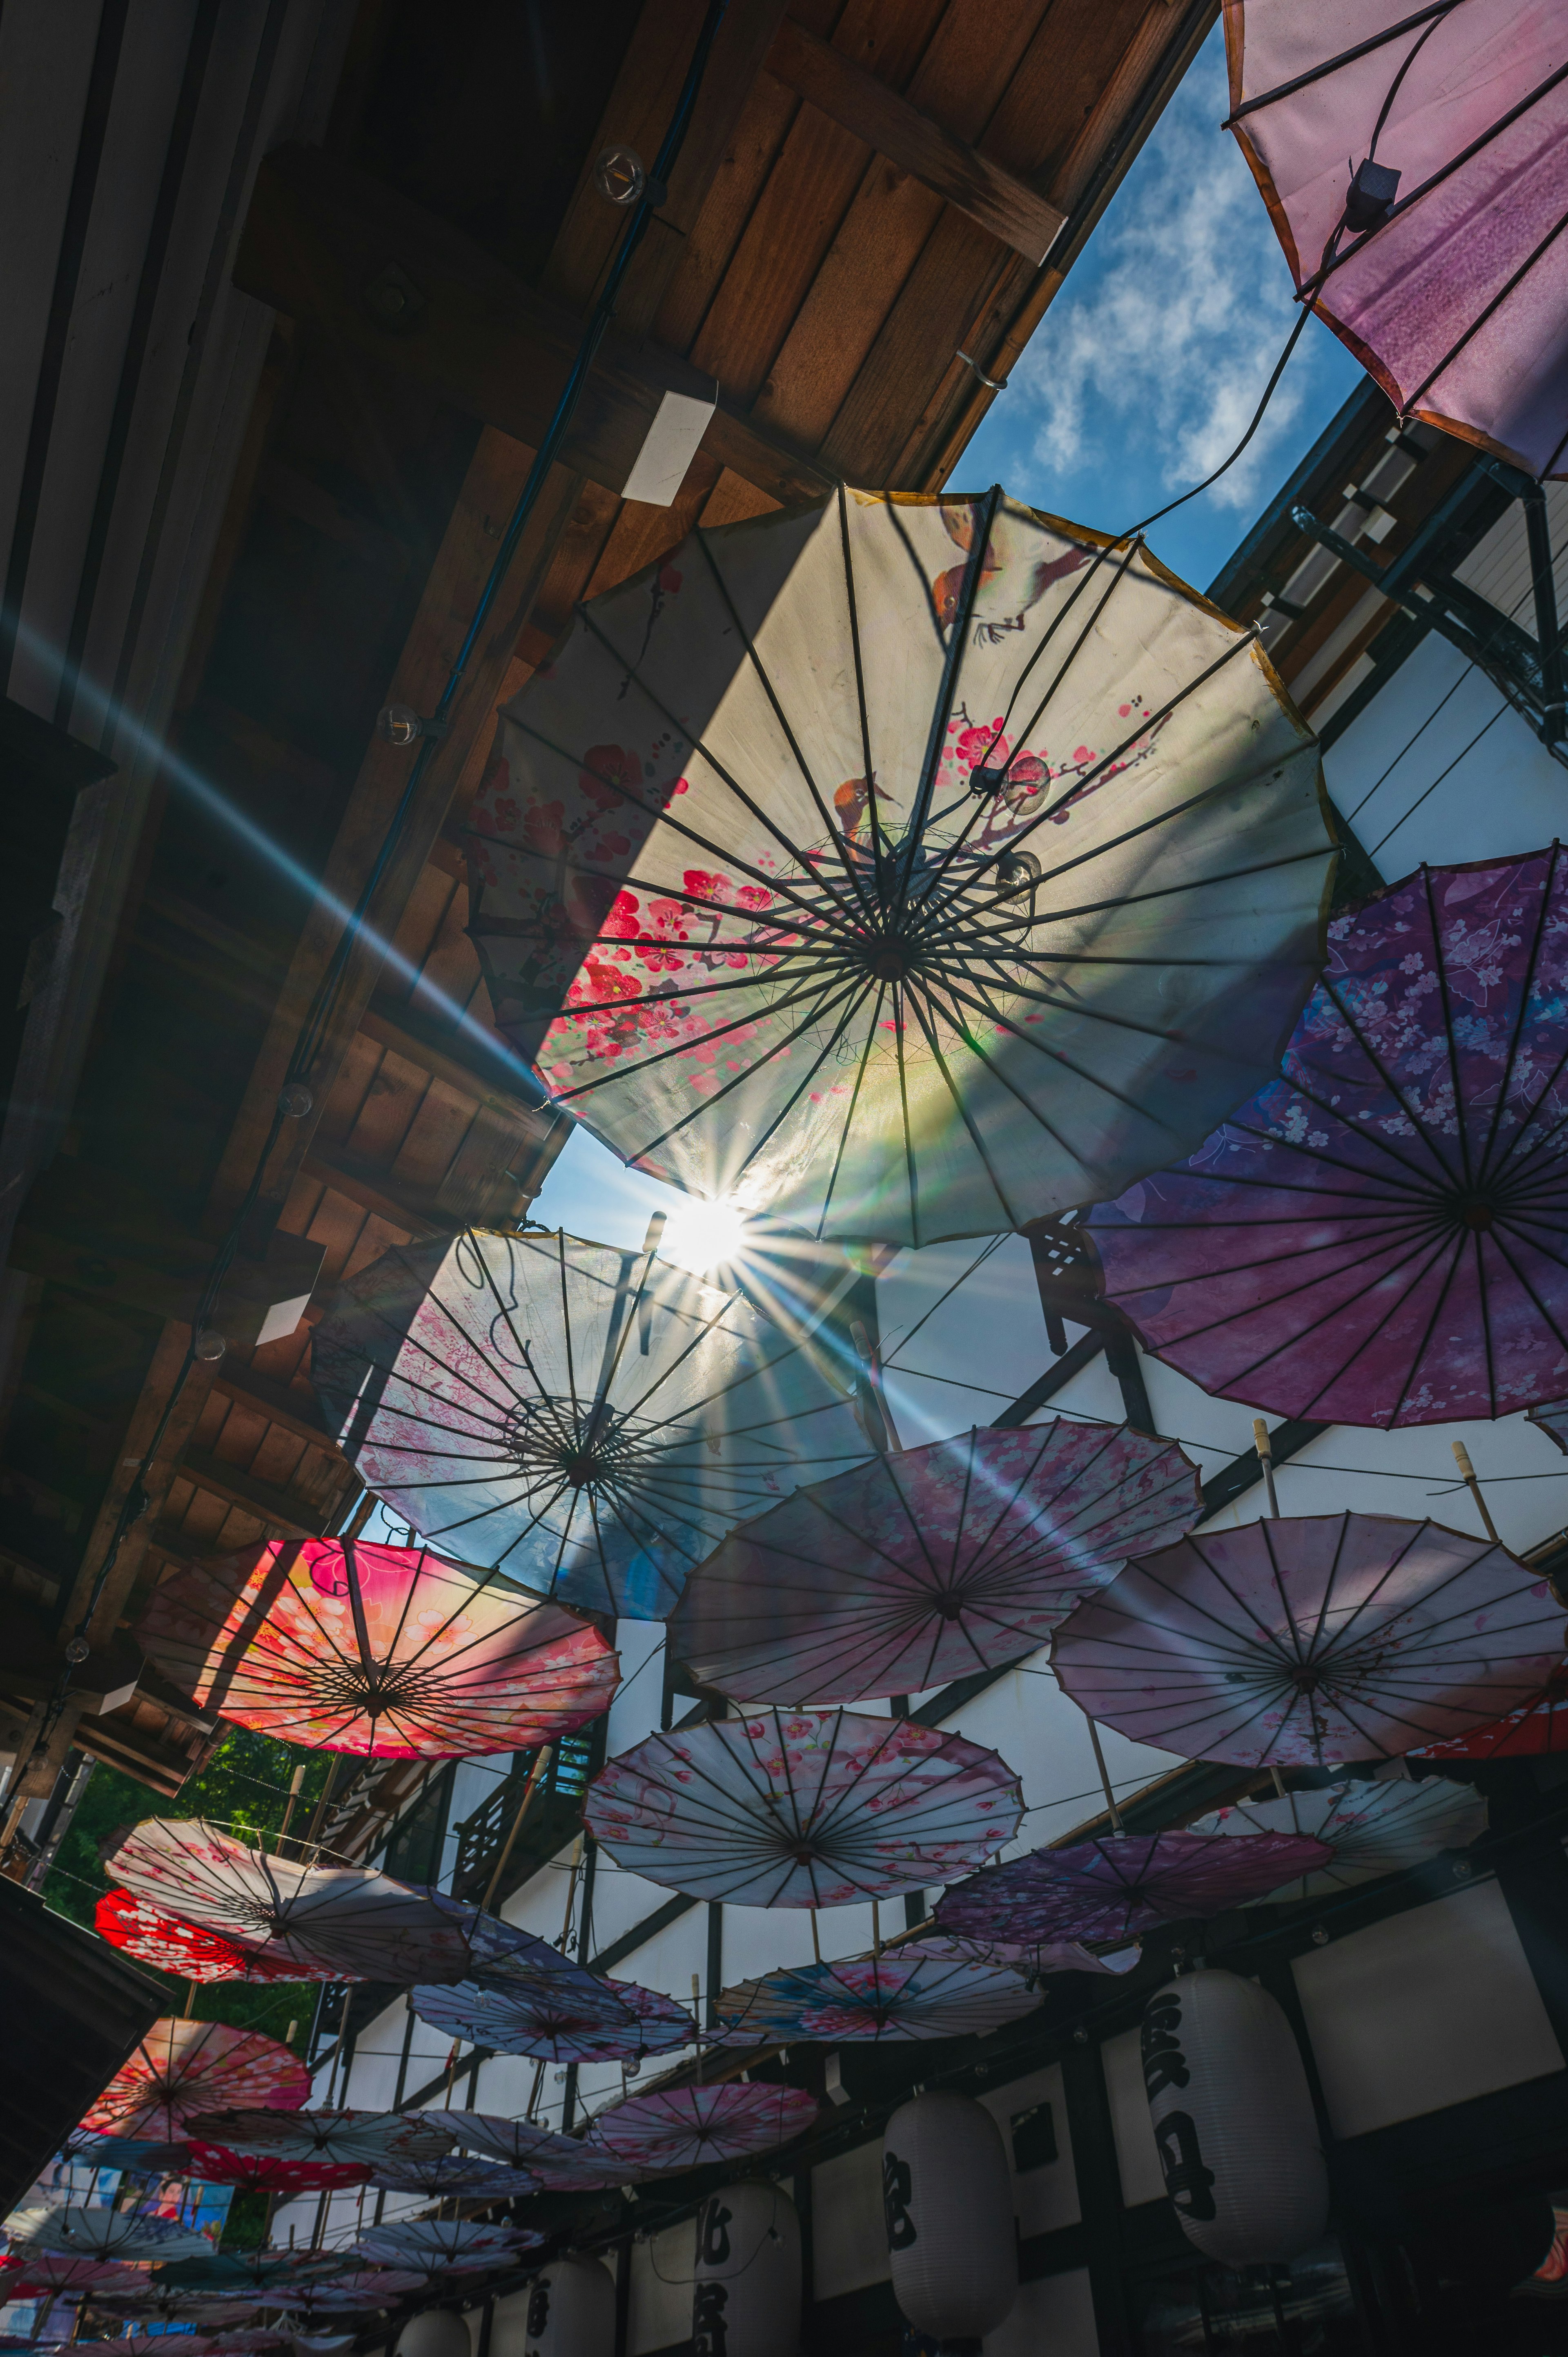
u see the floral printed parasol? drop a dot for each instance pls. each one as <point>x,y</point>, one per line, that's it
<point>682,2127</point>
<point>560,2161</point>
<point>803,1808</point>
<point>217,2164</point>
<point>1370,1829</point>
<point>908,1994</point>
<point>188,1949</point>
<point>917,1568</point>
<point>1536,1724</point>
<point>102,2233</point>
<point>589,1421</point>
<point>431,2247</point>
<point>181,2068</point>
<point>1311,1640</point>
<point>349,1646</point>
<point>1380,1237</point>
<point>557,2010</point>
<point>1109,1889</point>
<point>61,2274</point>
<point>910,867</point>
<point>353,2138</point>
<point>352,2290</point>
<point>454,2173</point>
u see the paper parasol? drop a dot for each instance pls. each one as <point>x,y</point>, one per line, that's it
<point>64,2274</point>
<point>911,867</point>
<point>349,1646</point>
<point>1380,1237</point>
<point>590,1421</point>
<point>803,1808</point>
<point>188,1949</point>
<point>559,2161</point>
<point>141,2156</point>
<point>431,2247</point>
<point>1033,1959</point>
<point>354,2139</point>
<point>180,2068</point>
<point>217,2164</point>
<point>1309,1641</point>
<point>195,2344</point>
<point>353,2290</point>
<point>1447,276</point>
<point>905,1994</point>
<point>343,1922</point>
<point>1538,1724</point>
<point>1109,1889</point>
<point>453,2173</point>
<point>148,2301</point>
<point>1370,1829</point>
<point>102,2233</point>
<point>565,2016</point>
<point>918,1568</point>
<point>682,2127</point>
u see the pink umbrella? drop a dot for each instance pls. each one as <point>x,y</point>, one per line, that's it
<point>908,1994</point>
<point>1329,1638</point>
<point>917,1568</point>
<point>181,2068</point>
<point>217,2164</point>
<point>58,2275</point>
<point>569,2016</point>
<point>455,2173</point>
<point>1380,1237</point>
<point>803,1808</point>
<point>560,2161</point>
<point>194,1954</point>
<point>1410,160</point>
<point>1109,1889</point>
<point>347,2138</point>
<point>435,2246</point>
<point>682,2127</point>
<point>351,2290</point>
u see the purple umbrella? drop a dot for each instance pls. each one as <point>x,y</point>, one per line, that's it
<point>1332,1637</point>
<point>897,1996</point>
<point>917,1568</point>
<point>1110,1889</point>
<point>1380,1237</point>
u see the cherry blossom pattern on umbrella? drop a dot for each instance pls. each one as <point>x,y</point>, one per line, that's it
<point>354,2139</point>
<point>1381,1235</point>
<point>682,2127</point>
<point>803,1808</point>
<point>352,2290</point>
<point>907,1994</point>
<point>180,2068</point>
<point>102,2233</point>
<point>454,2173</point>
<point>197,1954</point>
<point>342,1922</point>
<point>559,2161</point>
<point>217,2164</point>
<point>349,1646</point>
<point>1312,1639</point>
<point>1537,1725</point>
<point>431,2247</point>
<point>1370,1829</point>
<point>556,2010</point>
<point>1109,1889</point>
<point>1031,1959</point>
<point>1410,162</point>
<point>956,948</point>
<point>263,2275</point>
<point>64,2274</point>
<point>920,1567</point>
<point>588,1420</point>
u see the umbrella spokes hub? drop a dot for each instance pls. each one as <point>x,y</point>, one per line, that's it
<point>554,1441</point>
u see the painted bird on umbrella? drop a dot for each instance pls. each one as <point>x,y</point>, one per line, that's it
<point>1013,577</point>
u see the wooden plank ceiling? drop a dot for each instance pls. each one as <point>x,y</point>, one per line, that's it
<point>864,193</point>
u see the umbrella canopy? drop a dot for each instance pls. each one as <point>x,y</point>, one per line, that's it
<point>263,2273</point>
<point>351,2138</point>
<point>101,2234</point>
<point>557,2160</point>
<point>803,1808</point>
<point>194,1954</point>
<point>427,2247</point>
<point>682,2127</point>
<point>1536,1724</point>
<point>143,2156</point>
<point>341,1922</point>
<point>180,2068</point>
<point>1107,1890</point>
<point>1410,162</point>
<point>1303,1641</point>
<point>1370,1829</point>
<point>455,2173</point>
<point>352,2290</point>
<point>590,1421</point>
<point>892,1998</point>
<point>348,1646</point>
<point>918,1568</point>
<point>563,2015</point>
<point>218,2164</point>
<point>61,2274</point>
<point>911,867</point>
<point>1031,1958</point>
<point>1381,1235</point>
<point>183,2308</point>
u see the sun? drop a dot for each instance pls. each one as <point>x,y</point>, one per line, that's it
<point>700,1235</point>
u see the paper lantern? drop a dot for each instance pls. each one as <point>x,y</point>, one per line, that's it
<point>947,2194</point>
<point>569,2310</point>
<point>1233,2120</point>
<point>745,2284</point>
<point>435,2332</point>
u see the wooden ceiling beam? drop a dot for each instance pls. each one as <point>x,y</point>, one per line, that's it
<point>374,1191</point>
<point>459,1058</point>
<point>295,1517</point>
<point>293,1411</point>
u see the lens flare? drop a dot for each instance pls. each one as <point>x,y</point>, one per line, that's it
<point>700,1235</point>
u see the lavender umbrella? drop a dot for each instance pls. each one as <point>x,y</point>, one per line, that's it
<point>917,1568</point>
<point>681,2127</point>
<point>543,2003</point>
<point>560,2161</point>
<point>1370,1829</point>
<point>890,1998</point>
<point>455,2173</point>
<point>1381,1235</point>
<point>1326,1638</point>
<point>1109,1889</point>
<point>433,2246</point>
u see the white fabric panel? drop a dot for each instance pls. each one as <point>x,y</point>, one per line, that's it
<point>1423,2011</point>
<point>849,2234</point>
<point>1053,2316</point>
<point>662,2289</point>
<point>1045,2198</point>
<point>1137,2155</point>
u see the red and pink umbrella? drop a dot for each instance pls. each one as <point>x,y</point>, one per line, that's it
<point>194,1954</point>
<point>1536,1726</point>
<point>216,2164</point>
<point>682,2127</point>
<point>803,1808</point>
<point>1381,1235</point>
<point>898,1995</point>
<point>1332,1637</point>
<point>180,2068</point>
<point>1112,1889</point>
<point>917,1568</point>
<point>349,1646</point>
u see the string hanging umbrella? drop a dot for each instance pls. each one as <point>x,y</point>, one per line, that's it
<point>1311,1640</point>
<point>1537,1725</point>
<point>1112,1889</point>
<point>563,2016</point>
<point>559,2161</point>
<point>347,2138</point>
<point>432,2246</point>
<point>1370,1829</point>
<point>1033,1959</point>
<point>685,2128</point>
<point>100,2233</point>
<point>455,2173</point>
<point>180,2068</point>
<point>1381,1235</point>
<point>1409,160</point>
<point>62,2274</point>
<point>252,2172</point>
<point>918,1568</point>
<point>588,1420</point>
<point>390,1651</point>
<point>910,1994</point>
<point>803,1808</point>
<point>910,867</point>
<point>196,1954</point>
<point>264,2274</point>
<point>141,2156</point>
<point>351,2290</point>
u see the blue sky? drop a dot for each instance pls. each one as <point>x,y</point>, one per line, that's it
<point>1144,372</point>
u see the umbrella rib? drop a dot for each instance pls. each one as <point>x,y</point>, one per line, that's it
<point>1009,1211</point>
<point>1537,939</point>
<point>861,710</point>
<point>822,1007</point>
<point>984,513</point>
<point>974,996</point>
<point>854,1101</point>
<point>1521,1278</point>
<point>911,1178</point>
<point>1292,1342</point>
<point>850,1009</point>
<point>965,1033</point>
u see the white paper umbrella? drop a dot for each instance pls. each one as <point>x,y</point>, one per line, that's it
<point>1372,1829</point>
<point>367,2138</point>
<point>442,2246</point>
<point>907,1993</point>
<point>803,1808</point>
<point>103,2234</point>
<point>590,1422</point>
<point>682,2127</point>
<point>908,866</point>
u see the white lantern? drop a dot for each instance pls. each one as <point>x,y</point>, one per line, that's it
<point>568,2310</point>
<point>1233,2120</point>
<point>746,2285</point>
<point>434,2332</point>
<point>947,2194</point>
